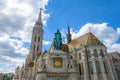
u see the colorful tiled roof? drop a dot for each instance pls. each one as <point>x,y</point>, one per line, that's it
<point>65,47</point>
<point>86,39</point>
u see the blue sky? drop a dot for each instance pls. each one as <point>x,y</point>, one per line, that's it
<point>16,23</point>
<point>79,12</point>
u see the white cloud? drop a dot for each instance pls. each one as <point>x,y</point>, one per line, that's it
<point>63,32</point>
<point>8,64</point>
<point>17,18</point>
<point>105,33</point>
<point>12,46</point>
<point>118,30</point>
<point>46,42</point>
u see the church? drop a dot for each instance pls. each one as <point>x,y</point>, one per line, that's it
<point>83,58</point>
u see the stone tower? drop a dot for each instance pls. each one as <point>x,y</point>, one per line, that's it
<point>37,36</point>
<point>68,35</point>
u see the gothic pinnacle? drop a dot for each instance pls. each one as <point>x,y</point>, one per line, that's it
<point>39,21</point>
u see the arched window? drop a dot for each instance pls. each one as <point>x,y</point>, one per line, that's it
<point>95,53</point>
<point>98,68</point>
<point>90,67</point>
<point>39,39</point>
<point>88,54</point>
<point>101,53</point>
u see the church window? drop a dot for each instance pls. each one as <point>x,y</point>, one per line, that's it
<point>71,57</point>
<point>90,67</point>
<point>98,68</point>
<point>35,38</point>
<point>95,53</point>
<point>101,53</point>
<point>38,48</point>
<point>81,69</point>
<point>88,54</point>
<point>34,48</point>
<point>39,39</point>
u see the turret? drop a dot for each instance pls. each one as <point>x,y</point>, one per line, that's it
<point>68,35</point>
<point>39,21</point>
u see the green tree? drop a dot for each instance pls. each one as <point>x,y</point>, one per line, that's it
<point>6,78</point>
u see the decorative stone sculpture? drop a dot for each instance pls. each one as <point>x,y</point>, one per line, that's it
<point>57,43</point>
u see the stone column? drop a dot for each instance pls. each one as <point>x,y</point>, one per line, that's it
<point>85,66</point>
<point>95,70</point>
<point>110,68</point>
<point>94,66</point>
<point>113,68</point>
<point>103,70</point>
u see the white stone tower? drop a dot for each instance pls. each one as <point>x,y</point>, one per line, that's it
<point>37,37</point>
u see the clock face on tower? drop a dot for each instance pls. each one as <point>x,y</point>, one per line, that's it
<point>57,62</point>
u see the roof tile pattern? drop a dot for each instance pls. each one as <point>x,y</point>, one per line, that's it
<point>86,39</point>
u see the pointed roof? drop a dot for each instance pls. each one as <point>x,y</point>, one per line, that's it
<point>68,35</point>
<point>86,39</point>
<point>68,27</point>
<point>39,21</point>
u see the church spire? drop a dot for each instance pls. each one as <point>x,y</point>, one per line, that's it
<point>39,21</point>
<point>68,29</point>
<point>68,35</point>
<point>37,37</point>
